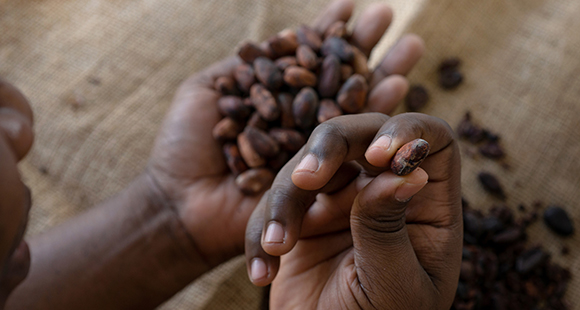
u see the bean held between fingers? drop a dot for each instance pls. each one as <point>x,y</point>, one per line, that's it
<point>409,157</point>
<point>284,88</point>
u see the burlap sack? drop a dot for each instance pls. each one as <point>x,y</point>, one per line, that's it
<point>101,74</point>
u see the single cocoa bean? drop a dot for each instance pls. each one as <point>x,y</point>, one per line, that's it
<point>558,220</point>
<point>353,93</point>
<point>284,44</point>
<point>327,110</point>
<point>336,29</point>
<point>360,63</point>
<point>450,79</point>
<point>268,73</point>
<point>285,62</point>
<point>286,115</point>
<point>530,260</point>
<point>249,154</point>
<point>346,71</point>
<point>492,150</point>
<point>257,121</point>
<point>417,98</point>
<point>254,181</point>
<point>339,47</point>
<point>261,142</point>
<point>304,108</point>
<point>299,77</point>
<point>227,129</point>
<point>306,57</point>
<point>289,139</point>
<point>249,51</point>
<point>451,63</point>
<point>245,77</point>
<point>234,159</point>
<point>308,36</point>
<point>264,102</point>
<point>409,156</point>
<point>491,184</point>
<point>226,85</point>
<point>329,80</point>
<point>233,107</point>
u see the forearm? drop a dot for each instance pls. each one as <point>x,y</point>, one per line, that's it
<point>130,252</point>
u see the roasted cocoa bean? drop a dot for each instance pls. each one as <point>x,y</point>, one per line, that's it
<point>264,102</point>
<point>286,115</point>
<point>339,47</point>
<point>330,75</point>
<point>557,219</point>
<point>491,184</point>
<point>450,79</point>
<point>261,142</point>
<point>353,93</point>
<point>409,156</point>
<point>304,108</point>
<point>299,77</point>
<point>289,139</point>
<point>249,51</point>
<point>227,129</point>
<point>245,77</point>
<point>336,29</point>
<point>308,36</point>
<point>306,57</point>
<point>284,44</point>
<point>226,85</point>
<point>328,109</point>
<point>234,159</point>
<point>285,62</point>
<point>268,73</point>
<point>254,181</point>
<point>417,98</point>
<point>233,106</point>
<point>249,154</point>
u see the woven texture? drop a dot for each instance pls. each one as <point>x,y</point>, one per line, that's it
<point>101,74</point>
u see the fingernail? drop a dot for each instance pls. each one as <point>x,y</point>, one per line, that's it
<point>274,233</point>
<point>258,270</point>
<point>412,185</point>
<point>384,143</point>
<point>308,164</point>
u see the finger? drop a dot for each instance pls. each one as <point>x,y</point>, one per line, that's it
<point>339,10</point>
<point>17,129</point>
<point>387,94</point>
<point>11,97</point>
<point>370,26</point>
<point>400,59</point>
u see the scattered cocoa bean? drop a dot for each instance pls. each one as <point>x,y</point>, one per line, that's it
<point>268,73</point>
<point>304,108</point>
<point>299,77</point>
<point>249,154</point>
<point>306,57</point>
<point>289,139</point>
<point>285,62</point>
<point>245,77</point>
<point>233,106</point>
<point>226,85</point>
<point>409,156</point>
<point>557,219</point>
<point>450,79</point>
<point>227,129</point>
<point>254,181</point>
<point>491,184</point>
<point>264,102</point>
<point>249,51</point>
<point>417,98</point>
<point>330,75</point>
<point>234,159</point>
<point>308,36</point>
<point>328,109</point>
<point>261,142</point>
<point>339,47</point>
<point>353,93</point>
<point>492,150</point>
<point>450,63</point>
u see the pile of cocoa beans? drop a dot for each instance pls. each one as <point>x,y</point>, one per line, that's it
<point>284,88</point>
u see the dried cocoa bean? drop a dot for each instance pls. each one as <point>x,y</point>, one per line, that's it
<point>327,110</point>
<point>492,150</point>
<point>254,181</point>
<point>261,142</point>
<point>417,98</point>
<point>336,29</point>
<point>227,129</point>
<point>267,49</point>
<point>289,139</point>
<point>284,44</point>
<point>451,63</point>
<point>264,102</point>
<point>234,159</point>
<point>330,75</point>
<point>450,79</point>
<point>226,85</point>
<point>299,77</point>
<point>409,156</point>
<point>233,107</point>
<point>491,184</point>
<point>353,93</point>
<point>306,57</point>
<point>339,47</point>
<point>308,36</point>
<point>286,115</point>
<point>249,51</point>
<point>257,121</point>
<point>285,62</point>
<point>557,219</point>
<point>268,73</point>
<point>245,77</point>
<point>346,71</point>
<point>249,154</point>
<point>360,63</point>
<point>304,108</point>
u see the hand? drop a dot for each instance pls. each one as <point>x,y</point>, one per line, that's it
<point>361,242</point>
<point>187,165</point>
<point>15,141</point>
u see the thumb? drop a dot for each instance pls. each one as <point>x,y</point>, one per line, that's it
<point>386,263</point>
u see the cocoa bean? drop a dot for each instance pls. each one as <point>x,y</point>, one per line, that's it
<point>336,29</point>
<point>417,98</point>
<point>450,79</point>
<point>268,73</point>
<point>226,85</point>
<point>306,57</point>
<point>289,139</point>
<point>360,63</point>
<point>254,181</point>
<point>353,93</point>
<point>233,107</point>
<point>308,36</point>
<point>339,47</point>
<point>286,115</point>
<point>451,63</point>
<point>261,142</point>
<point>234,159</point>
<point>299,77</point>
<point>249,154</point>
<point>257,121</point>
<point>329,80</point>
<point>284,44</point>
<point>346,71</point>
<point>491,184</point>
<point>304,108</point>
<point>267,49</point>
<point>327,110</point>
<point>249,51</point>
<point>245,77</point>
<point>227,129</point>
<point>409,157</point>
<point>558,220</point>
<point>285,62</point>
<point>264,102</point>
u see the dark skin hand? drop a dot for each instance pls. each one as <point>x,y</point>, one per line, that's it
<point>357,236</point>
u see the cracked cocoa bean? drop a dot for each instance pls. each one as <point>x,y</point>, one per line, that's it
<point>409,156</point>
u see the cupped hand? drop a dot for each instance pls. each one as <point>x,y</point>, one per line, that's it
<point>187,165</point>
<point>368,240</point>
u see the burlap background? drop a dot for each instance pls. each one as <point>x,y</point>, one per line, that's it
<point>100,76</point>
